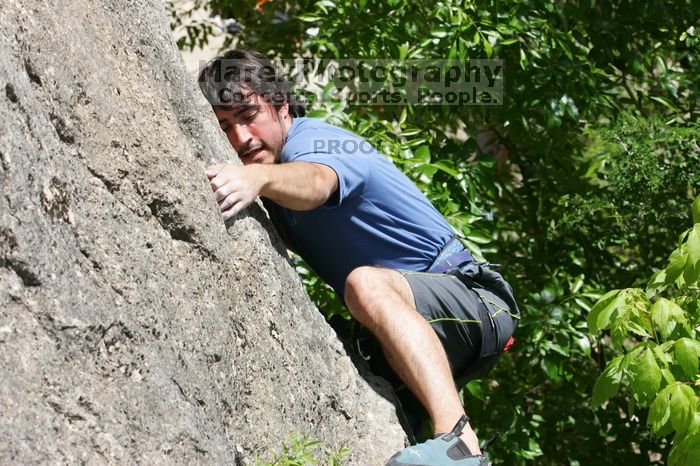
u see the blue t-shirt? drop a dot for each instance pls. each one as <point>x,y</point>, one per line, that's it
<point>376,217</point>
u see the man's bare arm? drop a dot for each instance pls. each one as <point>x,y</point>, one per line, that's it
<point>294,185</point>
<point>298,185</point>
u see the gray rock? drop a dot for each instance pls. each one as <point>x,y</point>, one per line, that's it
<point>134,326</point>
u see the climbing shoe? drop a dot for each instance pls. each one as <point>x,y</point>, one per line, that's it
<point>443,450</point>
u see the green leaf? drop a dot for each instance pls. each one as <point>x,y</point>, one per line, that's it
<point>523,59</point>
<point>478,237</point>
<point>687,352</point>
<point>660,314</point>
<point>660,410</point>
<point>695,424</point>
<point>638,329</point>
<point>599,317</point>
<point>645,377</point>
<point>665,102</point>
<point>657,281</point>
<point>696,210</point>
<point>619,329</point>
<point>668,376</point>
<point>309,18</point>
<point>692,265</point>
<point>422,154</point>
<point>608,383</point>
<point>474,389</point>
<point>488,48</point>
<point>661,355</point>
<point>686,452</point>
<point>683,404</point>
<point>446,168</point>
<point>666,314</point>
<point>317,114</point>
<point>584,344</point>
<point>691,274</point>
<point>675,265</point>
<point>673,312</point>
<point>403,50</point>
<point>510,41</point>
<point>629,359</point>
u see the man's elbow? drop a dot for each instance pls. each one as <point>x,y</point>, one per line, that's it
<point>325,184</point>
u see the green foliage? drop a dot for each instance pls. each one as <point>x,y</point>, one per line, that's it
<point>660,345</point>
<point>300,450</point>
<point>644,174</point>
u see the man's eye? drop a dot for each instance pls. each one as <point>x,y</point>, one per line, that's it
<point>250,115</point>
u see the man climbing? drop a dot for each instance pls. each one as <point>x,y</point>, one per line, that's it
<point>367,231</point>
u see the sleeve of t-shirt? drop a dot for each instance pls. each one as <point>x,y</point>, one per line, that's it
<point>337,151</point>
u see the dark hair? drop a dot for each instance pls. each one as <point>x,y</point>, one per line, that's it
<point>231,78</point>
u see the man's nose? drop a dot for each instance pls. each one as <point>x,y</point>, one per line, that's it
<point>240,137</point>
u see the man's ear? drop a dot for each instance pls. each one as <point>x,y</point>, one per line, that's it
<point>283,111</point>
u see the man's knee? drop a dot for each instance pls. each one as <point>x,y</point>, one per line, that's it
<point>362,283</point>
<point>367,287</point>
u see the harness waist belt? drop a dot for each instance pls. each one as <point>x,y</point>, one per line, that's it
<point>452,255</point>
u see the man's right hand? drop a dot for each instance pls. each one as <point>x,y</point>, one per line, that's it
<point>294,185</point>
<point>235,187</point>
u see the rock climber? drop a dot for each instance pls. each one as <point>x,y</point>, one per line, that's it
<point>369,233</point>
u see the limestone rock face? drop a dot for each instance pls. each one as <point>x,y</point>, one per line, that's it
<point>134,326</point>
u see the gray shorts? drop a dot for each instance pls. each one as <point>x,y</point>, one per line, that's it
<point>473,312</point>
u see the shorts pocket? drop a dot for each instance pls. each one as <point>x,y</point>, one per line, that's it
<point>496,294</point>
<point>499,319</point>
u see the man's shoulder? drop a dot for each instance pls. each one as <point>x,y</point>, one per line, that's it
<point>303,127</point>
<point>314,136</point>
